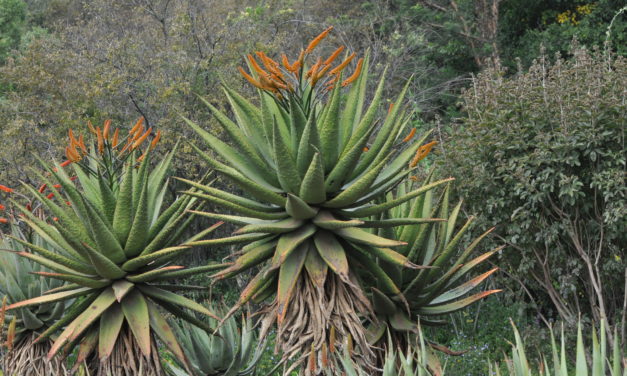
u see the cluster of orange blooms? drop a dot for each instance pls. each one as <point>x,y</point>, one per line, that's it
<point>108,138</point>
<point>276,77</point>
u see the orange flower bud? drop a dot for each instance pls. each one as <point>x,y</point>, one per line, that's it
<point>5,189</point>
<point>137,125</point>
<point>42,188</point>
<point>81,144</point>
<point>314,42</point>
<point>250,79</point>
<point>334,55</point>
<point>355,74</point>
<point>50,196</point>
<point>66,163</point>
<point>2,207</point>
<point>141,139</point>
<point>421,153</point>
<point>410,135</point>
<point>4,220</point>
<point>342,65</point>
<point>154,142</point>
<point>116,136</point>
<point>91,127</point>
<point>105,131</point>
<point>100,140</point>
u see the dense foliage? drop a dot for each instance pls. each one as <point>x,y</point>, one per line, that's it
<point>542,155</point>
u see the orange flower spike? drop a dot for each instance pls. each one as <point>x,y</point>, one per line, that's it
<point>421,153</point>
<point>106,128</point>
<point>66,163</point>
<point>4,220</point>
<point>320,74</point>
<point>81,144</point>
<point>100,140</point>
<point>365,149</point>
<point>314,42</point>
<point>2,207</point>
<point>334,55</point>
<point>343,65</point>
<point>301,58</point>
<point>69,154</point>
<point>137,125</point>
<point>42,188</point>
<point>29,207</point>
<point>256,66</point>
<point>355,74</point>
<point>154,142</point>
<point>141,139</point>
<point>116,137</point>
<point>57,186</point>
<point>390,107</point>
<point>73,140</point>
<point>6,189</point>
<point>50,196</point>
<point>314,68</point>
<point>91,127</point>
<point>410,135</point>
<point>250,79</point>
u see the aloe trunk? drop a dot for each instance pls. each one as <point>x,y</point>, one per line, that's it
<point>29,359</point>
<point>127,360</point>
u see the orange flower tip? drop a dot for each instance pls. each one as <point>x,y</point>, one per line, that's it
<point>366,149</point>
<point>4,220</point>
<point>73,178</point>
<point>413,178</point>
<point>66,163</point>
<point>55,219</point>
<point>50,196</point>
<point>410,135</point>
<point>57,186</point>
<point>390,107</point>
<point>6,189</point>
<point>2,207</point>
<point>68,203</point>
<point>42,188</point>
<point>29,207</point>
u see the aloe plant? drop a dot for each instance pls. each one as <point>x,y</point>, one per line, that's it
<point>556,364</point>
<point>436,242</point>
<point>232,351</point>
<point>111,239</point>
<point>311,165</point>
<point>20,279</point>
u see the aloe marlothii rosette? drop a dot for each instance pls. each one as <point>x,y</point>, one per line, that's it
<point>433,292</point>
<point>300,159</point>
<point>112,241</point>
<point>19,280</point>
<point>233,352</point>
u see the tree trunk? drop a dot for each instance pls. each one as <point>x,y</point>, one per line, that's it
<point>128,360</point>
<point>28,359</point>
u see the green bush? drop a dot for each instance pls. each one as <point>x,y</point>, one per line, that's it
<point>542,155</point>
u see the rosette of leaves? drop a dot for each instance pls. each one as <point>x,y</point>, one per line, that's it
<point>232,352</point>
<point>20,279</point>
<point>112,240</point>
<point>427,294</point>
<point>300,159</point>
